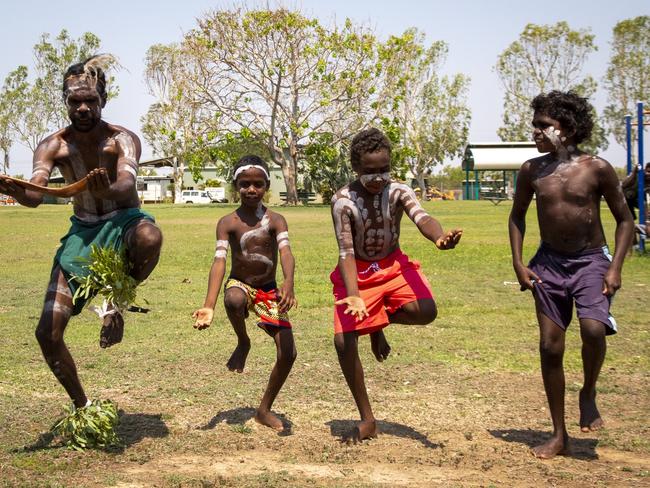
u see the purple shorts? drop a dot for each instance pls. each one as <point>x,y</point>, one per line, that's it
<point>572,277</point>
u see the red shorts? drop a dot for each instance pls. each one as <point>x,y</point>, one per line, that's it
<point>385,286</point>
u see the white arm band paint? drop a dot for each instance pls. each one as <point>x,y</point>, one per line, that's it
<point>282,239</point>
<point>222,249</point>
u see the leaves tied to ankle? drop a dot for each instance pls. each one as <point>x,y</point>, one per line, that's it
<point>108,276</point>
<point>91,427</point>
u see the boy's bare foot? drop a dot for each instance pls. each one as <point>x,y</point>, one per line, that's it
<point>379,345</point>
<point>112,330</point>
<point>366,429</point>
<point>269,419</point>
<point>553,447</point>
<point>238,359</point>
<point>589,416</point>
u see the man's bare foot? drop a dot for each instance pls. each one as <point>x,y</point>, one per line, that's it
<point>112,330</point>
<point>553,447</point>
<point>366,429</point>
<point>269,419</point>
<point>589,416</point>
<point>379,345</point>
<point>238,359</point>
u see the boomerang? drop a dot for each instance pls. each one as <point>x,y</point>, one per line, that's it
<point>64,192</point>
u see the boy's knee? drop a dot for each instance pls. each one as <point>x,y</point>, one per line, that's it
<point>287,355</point>
<point>551,350</point>
<point>428,311</point>
<point>339,344</point>
<point>592,331</point>
<point>235,302</point>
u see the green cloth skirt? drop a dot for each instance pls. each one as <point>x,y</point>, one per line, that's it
<point>82,235</point>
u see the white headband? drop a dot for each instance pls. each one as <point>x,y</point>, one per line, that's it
<point>241,169</point>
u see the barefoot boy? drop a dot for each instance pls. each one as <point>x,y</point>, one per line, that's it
<point>256,234</point>
<point>375,283</point>
<point>573,263</point>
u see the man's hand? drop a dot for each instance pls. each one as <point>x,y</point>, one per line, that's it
<point>611,282</point>
<point>449,239</point>
<point>526,277</point>
<point>98,183</point>
<point>10,188</point>
<point>203,318</point>
<point>355,306</point>
<point>287,297</point>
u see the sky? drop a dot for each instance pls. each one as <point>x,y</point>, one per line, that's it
<point>476,32</point>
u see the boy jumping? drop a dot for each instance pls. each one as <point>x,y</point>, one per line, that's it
<point>573,263</point>
<point>375,283</point>
<point>256,235</point>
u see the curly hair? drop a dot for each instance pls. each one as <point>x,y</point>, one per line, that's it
<point>250,159</point>
<point>368,141</point>
<point>574,112</point>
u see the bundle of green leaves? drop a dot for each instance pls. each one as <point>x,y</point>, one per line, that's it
<point>90,427</point>
<point>108,276</point>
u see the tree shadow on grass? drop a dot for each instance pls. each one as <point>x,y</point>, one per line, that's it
<point>339,428</point>
<point>584,449</point>
<point>131,430</point>
<point>241,415</point>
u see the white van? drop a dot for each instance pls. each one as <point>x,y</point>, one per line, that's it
<point>195,196</point>
<point>217,194</point>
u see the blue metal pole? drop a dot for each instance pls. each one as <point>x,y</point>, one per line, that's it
<point>628,138</point>
<point>466,196</point>
<point>641,174</point>
<point>476,183</point>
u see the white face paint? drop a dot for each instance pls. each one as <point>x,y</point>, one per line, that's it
<point>553,135</point>
<point>376,178</point>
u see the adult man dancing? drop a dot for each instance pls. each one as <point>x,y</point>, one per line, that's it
<point>106,214</point>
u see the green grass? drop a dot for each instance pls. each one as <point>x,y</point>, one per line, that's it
<point>174,375</point>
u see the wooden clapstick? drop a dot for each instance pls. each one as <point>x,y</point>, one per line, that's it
<point>65,191</point>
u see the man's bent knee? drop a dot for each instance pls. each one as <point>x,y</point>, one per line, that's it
<point>146,236</point>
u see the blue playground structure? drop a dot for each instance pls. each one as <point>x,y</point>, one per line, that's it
<point>640,123</point>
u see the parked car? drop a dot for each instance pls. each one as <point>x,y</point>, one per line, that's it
<point>195,196</point>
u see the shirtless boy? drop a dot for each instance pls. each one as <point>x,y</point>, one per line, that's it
<point>106,214</point>
<point>256,235</point>
<point>375,283</point>
<point>573,263</point>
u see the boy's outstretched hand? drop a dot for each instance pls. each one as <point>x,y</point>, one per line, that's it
<point>287,297</point>
<point>449,239</point>
<point>203,318</point>
<point>355,306</point>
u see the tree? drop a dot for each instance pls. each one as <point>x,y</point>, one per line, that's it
<point>544,58</point>
<point>430,110</point>
<point>36,106</point>
<point>6,132</point>
<point>174,125</point>
<point>283,78</point>
<point>52,59</point>
<point>628,75</point>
